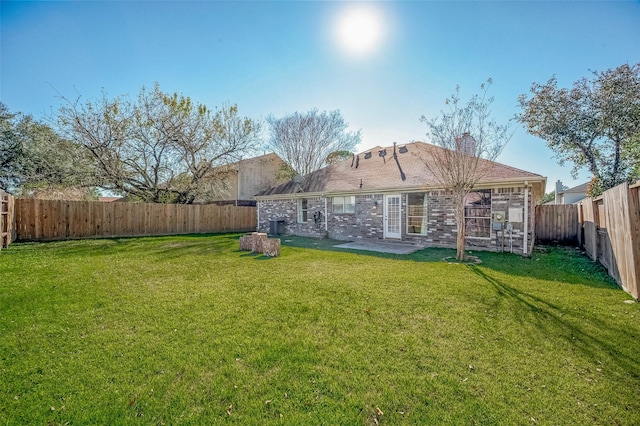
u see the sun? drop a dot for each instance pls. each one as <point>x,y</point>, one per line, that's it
<point>359,30</point>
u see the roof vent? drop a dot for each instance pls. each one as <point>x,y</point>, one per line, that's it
<point>367,155</point>
<point>382,153</point>
<point>403,149</point>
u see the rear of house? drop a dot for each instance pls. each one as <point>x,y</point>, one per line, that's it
<point>389,194</point>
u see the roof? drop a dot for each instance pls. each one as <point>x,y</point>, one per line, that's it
<point>580,189</point>
<point>245,162</point>
<point>368,171</point>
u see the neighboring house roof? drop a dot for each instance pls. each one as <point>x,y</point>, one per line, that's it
<point>573,195</point>
<point>242,179</point>
<point>246,162</point>
<point>370,172</point>
<point>580,189</point>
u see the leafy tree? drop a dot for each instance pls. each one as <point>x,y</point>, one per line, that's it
<point>336,156</point>
<point>285,172</point>
<point>159,147</point>
<point>10,149</point>
<point>595,124</point>
<point>551,196</point>
<point>548,197</point>
<point>33,156</point>
<point>467,136</point>
<point>305,140</point>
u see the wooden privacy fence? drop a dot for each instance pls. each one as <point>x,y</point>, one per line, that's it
<point>557,223</point>
<point>611,233</point>
<point>43,220</point>
<point>7,219</point>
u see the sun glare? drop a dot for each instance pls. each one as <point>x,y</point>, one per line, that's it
<point>359,30</point>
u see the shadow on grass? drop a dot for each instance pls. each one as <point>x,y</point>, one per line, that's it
<point>255,256</point>
<point>552,319</point>
<point>563,264</point>
<point>559,264</point>
<point>193,244</point>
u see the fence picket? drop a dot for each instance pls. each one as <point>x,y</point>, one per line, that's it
<point>557,223</point>
<point>44,220</point>
<point>611,226</point>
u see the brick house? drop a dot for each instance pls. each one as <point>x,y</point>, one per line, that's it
<point>388,193</point>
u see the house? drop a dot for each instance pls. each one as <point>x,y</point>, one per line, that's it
<point>571,195</point>
<point>388,193</point>
<point>111,199</point>
<point>242,180</point>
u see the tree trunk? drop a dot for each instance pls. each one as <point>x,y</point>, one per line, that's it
<point>458,205</point>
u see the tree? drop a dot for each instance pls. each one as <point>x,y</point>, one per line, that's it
<point>159,147</point>
<point>336,156</point>
<point>304,141</point>
<point>33,158</point>
<point>467,136</point>
<point>10,149</point>
<point>551,196</point>
<point>595,124</point>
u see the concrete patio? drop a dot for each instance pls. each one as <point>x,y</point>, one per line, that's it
<point>382,247</point>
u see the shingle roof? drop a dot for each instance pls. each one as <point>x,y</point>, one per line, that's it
<point>580,189</point>
<point>373,172</point>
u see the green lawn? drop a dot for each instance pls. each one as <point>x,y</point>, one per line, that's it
<point>189,330</point>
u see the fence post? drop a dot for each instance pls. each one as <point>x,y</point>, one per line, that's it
<point>634,232</point>
<point>7,219</point>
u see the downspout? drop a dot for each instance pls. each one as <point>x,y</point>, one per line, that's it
<point>526,219</point>
<point>258,216</point>
<point>326,218</point>
<point>238,185</point>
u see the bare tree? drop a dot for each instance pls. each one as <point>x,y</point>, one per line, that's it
<point>469,137</point>
<point>304,141</point>
<point>160,147</point>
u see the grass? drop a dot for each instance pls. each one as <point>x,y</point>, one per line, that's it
<point>189,330</point>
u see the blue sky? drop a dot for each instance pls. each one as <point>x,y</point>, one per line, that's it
<point>281,57</point>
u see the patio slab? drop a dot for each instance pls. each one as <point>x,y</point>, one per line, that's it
<point>381,247</point>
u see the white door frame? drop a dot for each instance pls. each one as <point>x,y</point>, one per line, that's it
<point>392,216</point>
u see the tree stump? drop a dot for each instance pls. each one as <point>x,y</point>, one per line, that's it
<point>246,243</point>
<point>271,247</point>
<point>259,240</point>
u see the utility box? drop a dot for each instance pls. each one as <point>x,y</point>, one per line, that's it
<point>515,214</point>
<point>497,220</point>
<point>498,216</point>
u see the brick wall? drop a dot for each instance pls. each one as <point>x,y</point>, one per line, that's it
<point>288,210</point>
<point>367,222</point>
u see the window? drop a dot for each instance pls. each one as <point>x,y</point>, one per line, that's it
<point>344,204</point>
<point>417,213</point>
<point>302,210</point>
<point>477,214</point>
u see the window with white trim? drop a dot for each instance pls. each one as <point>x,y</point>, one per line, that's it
<point>302,210</point>
<point>417,213</point>
<point>344,204</point>
<point>477,214</point>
